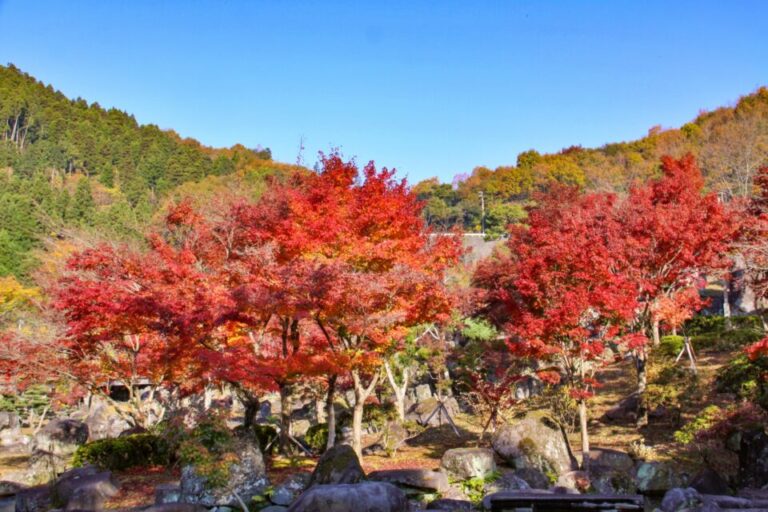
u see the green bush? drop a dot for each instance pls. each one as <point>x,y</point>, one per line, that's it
<point>702,324</point>
<point>317,437</point>
<point>671,345</point>
<point>738,338</point>
<point>716,324</point>
<point>703,421</point>
<point>745,379</point>
<point>137,450</point>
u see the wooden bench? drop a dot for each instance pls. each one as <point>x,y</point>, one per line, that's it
<point>541,502</point>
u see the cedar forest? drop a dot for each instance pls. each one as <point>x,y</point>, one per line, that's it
<point>130,254</point>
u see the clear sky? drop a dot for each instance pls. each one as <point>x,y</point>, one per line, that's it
<point>432,88</point>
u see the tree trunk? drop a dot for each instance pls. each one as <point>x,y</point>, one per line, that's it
<point>362,393</point>
<point>285,418</point>
<point>584,436</point>
<point>656,332</point>
<point>399,390</point>
<point>331,412</point>
<point>357,428</point>
<point>727,306</point>
<point>250,410</point>
<point>641,361</point>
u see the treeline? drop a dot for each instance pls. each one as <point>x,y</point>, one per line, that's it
<point>730,144</point>
<point>67,163</point>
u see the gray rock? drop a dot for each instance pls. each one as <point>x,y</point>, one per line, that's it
<point>34,499</point>
<point>176,507</point>
<point>509,481</point>
<point>92,492</point>
<point>167,493</point>
<point>535,441</point>
<point>299,427</point>
<point>466,463</point>
<point>578,481</point>
<point>339,465</point>
<point>10,488</point>
<point>609,481</point>
<point>53,447</point>
<point>535,478</point>
<point>422,412</point>
<point>418,478</point>
<point>528,387</point>
<point>84,488</point>
<point>753,459</point>
<point>362,497</point>
<point>247,477</point>
<point>422,392</point>
<point>104,422</point>
<point>610,459</point>
<point>678,499</point>
<point>449,505</point>
<point>9,420</point>
<point>658,478</point>
<point>709,481</point>
<point>274,508</point>
<point>290,489</point>
<point>8,504</point>
<point>61,437</point>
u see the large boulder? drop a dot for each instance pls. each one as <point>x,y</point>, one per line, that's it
<point>34,499</point>
<point>753,459</point>
<point>339,465</point>
<point>61,437</point>
<point>53,447</point>
<point>104,421</point>
<point>709,481</point>
<point>423,479</point>
<point>287,492</point>
<point>9,421</point>
<point>536,441</point>
<point>534,478</point>
<point>84,489</point>
<point>509,481</point>
<point>426,412</point>
<point>608,459</point>
<point>247,478</point>
<point>658,477</point>
<point>362,497</point>
<point>466,463</point>
<point>679,499</point>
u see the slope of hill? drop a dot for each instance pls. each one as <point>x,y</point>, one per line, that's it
<point>67,163</point>
<point>730,143</point>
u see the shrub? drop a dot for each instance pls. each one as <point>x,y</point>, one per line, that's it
<point>209,448</point>
<point>137,450</point>
<point>738,338</point>
<point>671,345</point>
<point>744,378</point>
<point>317,437</point>
<point>703,421</point>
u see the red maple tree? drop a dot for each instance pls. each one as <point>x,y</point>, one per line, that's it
<point>559,291</point>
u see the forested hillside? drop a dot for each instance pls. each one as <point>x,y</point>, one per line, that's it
<point>730,144</point>
<point>70,164</point>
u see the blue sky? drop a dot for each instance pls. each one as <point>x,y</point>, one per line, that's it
<point>431,88</point>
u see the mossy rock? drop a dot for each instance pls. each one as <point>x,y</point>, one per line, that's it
<point>339,465</point>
